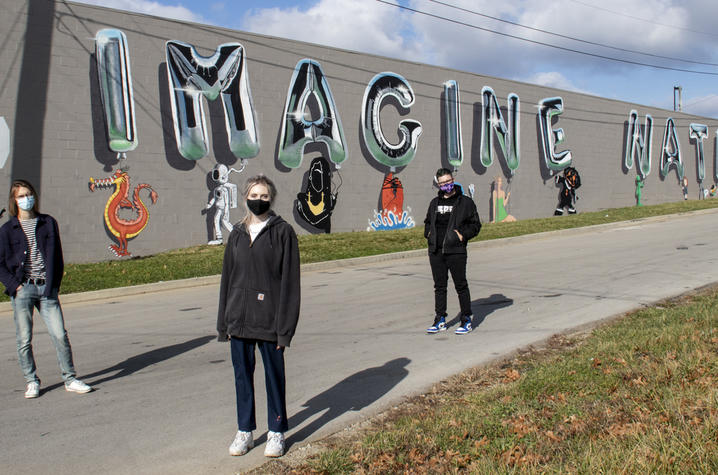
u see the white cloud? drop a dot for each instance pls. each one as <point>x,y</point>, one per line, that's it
<point>369,27</point>
<point>176,12</point>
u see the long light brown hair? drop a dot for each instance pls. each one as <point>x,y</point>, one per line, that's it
<point>11,201</point>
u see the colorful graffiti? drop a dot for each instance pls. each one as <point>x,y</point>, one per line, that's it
<point>115,80</point>
<point>224,197</point>
<point>309,81</point>
<point>392,214</point>
<point>123,229</point>
<point>638,145</point>
<point>382,86</point>
<point>452,111</point>
<point>316,203</point>
<point>671,151</point>
<point>550,137</point>
<point>224,74</point>
<point>569,183</point>
<point>493,120</point>
<point>499,202</point>
<point>699,132</point>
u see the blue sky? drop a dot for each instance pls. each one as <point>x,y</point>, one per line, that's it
<point>674,34</point>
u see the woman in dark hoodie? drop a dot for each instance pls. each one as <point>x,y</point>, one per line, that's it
<point>259,299</point>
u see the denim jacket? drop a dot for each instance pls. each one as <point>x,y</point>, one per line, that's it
<point>14,247</point>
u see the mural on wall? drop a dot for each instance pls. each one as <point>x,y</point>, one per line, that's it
<point>297,130</point>
<point>123,229</point>
<point>639,188</point>
<point>699,132</point>
<point>381,87</point>
<point>224,74</point>
<point>499,202</point>
<point>115,80</point>
<point>4,142</point>
<point>569,183</point>
<point>638,145</point>
<point>452,111</point>
<point>671,151</point>
<point>492,120</point>
<point>316,203</point>
<point>548,109</point>
<point>224,197</point>
<point>392,214</point>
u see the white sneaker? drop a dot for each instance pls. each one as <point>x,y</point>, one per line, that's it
<point>32,390</point>
<point>77,386</point>
<point>275,444</point>
<point>241,444</point>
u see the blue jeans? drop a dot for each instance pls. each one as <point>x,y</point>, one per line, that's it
<point>243,360</point>
<point>27,298</point>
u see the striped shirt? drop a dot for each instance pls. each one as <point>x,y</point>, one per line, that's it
<point>34,263</point>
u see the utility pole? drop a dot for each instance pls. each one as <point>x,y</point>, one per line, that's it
<point>677,100</point>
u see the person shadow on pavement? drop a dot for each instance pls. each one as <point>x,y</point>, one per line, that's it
<point>481,308</point>
<point>350,394</point>
<point>136,363</point>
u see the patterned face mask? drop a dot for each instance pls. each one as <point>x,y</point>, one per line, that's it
<point>447,187</point>
<point>26,202</point>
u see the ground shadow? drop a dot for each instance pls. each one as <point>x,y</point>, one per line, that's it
<point>350,394</point>
<point>136,363</point>
<point>481,308</point>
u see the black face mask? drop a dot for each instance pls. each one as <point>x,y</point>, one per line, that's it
<point>258,207</point>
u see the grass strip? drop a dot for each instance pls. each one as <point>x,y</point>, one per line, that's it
<point>205,260</point>
<point>637,395</point>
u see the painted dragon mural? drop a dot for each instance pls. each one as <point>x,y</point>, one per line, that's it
<point>123,229</point>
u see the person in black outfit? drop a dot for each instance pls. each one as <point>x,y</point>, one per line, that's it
<point>451,221</point>
<point>259,298</point>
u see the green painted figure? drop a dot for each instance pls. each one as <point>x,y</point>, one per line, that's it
<point>639,187</point>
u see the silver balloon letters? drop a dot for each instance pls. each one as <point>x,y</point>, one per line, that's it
<point>493,120</point>
<point>638,144</point>
<point>224,73</point>
<point>699,132</point>
<point>452,111</point>
<point>548,108</point>
<point>296,130</point>
<point>671,150</point>
<point>115,79</point>
<point>383,85</point>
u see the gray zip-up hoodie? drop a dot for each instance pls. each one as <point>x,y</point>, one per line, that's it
<point>259,294</point>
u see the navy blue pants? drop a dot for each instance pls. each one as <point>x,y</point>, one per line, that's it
<point>441,265</point>
<point>243,361</point>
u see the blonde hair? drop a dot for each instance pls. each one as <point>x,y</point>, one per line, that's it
<point>260,179</point>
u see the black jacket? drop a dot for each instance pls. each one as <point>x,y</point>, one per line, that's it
<point>464,218</point>
<point>259,294</point>
<point>14,248</point>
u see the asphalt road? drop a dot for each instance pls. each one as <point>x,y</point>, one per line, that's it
<point>164,392</point>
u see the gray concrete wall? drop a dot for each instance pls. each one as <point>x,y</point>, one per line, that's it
<point>49,98</point>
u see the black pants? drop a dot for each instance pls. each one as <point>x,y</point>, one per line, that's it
<point>243,361</point>
<point>441,265</point>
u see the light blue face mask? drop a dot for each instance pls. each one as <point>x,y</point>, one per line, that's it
<point>26,203</point>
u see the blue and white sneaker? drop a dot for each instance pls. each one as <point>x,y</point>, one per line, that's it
<point>464,329</point>
<point>437,327</point>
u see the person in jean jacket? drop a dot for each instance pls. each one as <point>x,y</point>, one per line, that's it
<point>259,300</point>
<point>451,221</point>
<point>31,269</point>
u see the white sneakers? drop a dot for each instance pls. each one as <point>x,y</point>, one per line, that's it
<point>241,444</point>
<point>77,386</point>
<point>32,390</point>
<point>275,444</point>
<point>244,441</point>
